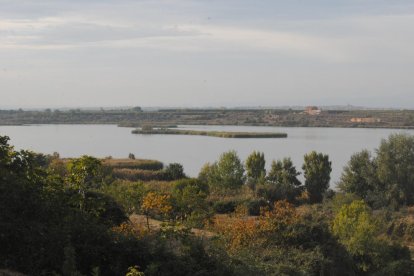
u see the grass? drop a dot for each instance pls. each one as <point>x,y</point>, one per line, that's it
<point>138,174</point>
<point>138,164</point>
<point>221,134</point>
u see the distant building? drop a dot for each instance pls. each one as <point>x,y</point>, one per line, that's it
<point>312,110</point>
<point>369,120</point>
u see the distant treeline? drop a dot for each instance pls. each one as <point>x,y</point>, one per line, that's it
<point>135,117</point>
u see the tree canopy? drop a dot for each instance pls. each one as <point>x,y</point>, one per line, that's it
<point>317,171</point>
<point>386,179</point>
<point>227,173</point>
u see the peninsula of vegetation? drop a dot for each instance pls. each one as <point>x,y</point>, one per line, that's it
<point>221,134</point>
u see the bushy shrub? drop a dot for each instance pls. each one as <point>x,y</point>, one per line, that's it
<point>139,175</point>
<point>138,164</point>
<point>225,207</point>
<point>254,206</point>
<point>174,171</point>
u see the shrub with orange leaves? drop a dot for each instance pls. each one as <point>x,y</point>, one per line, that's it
<point>155,204</point>
<point>241,231</point>
<point>241,211</point>
<point>283,212</point>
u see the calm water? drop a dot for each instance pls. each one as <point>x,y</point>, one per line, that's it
<point>194,151</point>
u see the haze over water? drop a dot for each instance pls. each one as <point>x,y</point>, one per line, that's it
<point>194,151</point>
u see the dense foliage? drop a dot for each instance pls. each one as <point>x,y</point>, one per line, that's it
<point>45,230</point>
<point>385,179</point>
<point>80,217</point>
<point>317,170</point>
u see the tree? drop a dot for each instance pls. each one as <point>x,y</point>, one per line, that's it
<point>83,174</point>
<point>282,182</point>
<point>189,196</point>
<point>226,174</point>
<point>360,175</point>
<point>386,179</point>
<point>128,194</point>
<point>355,229</point>
<point>131,156</point>
<point>276,172</point>
<point>284,172</point>
<point>317,170</point>
<point>208,174</point>
<point>395,161</point>
<point>230,171</point>
<point>174,171</point>
<point>255,167</point>
<point>155,204</point>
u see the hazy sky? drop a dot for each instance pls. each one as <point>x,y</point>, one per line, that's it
<point>206,53</point>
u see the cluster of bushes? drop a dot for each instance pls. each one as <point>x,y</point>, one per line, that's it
<point>229,206</point>
<point>144,170</point>
<point>280,183</point>
<point>134,164</point>
<point>138,175</point>
<point>54,225</point>
<point>385,179</point>
<point>70,217</point>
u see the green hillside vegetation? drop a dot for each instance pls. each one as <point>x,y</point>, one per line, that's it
<point>89,216</point>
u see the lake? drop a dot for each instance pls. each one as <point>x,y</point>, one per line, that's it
<point>194,151</point>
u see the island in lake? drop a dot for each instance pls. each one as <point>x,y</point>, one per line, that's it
<point>221,134</point>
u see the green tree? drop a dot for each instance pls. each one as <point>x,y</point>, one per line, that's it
<point>174,171</point>
<point>208,173</point>
<point>356,229</point>
<point>227,173</point>
<point>255,167</point>
<point>275,174</point>
<point>84,173</point>
<point>230,170</point>
<point>282,182</point>
<point>360,175</point>
<point>128,194</point>
<point>395,161</point>
<point>189,197</point>
<point>284,172</point>
<point>317,171</point>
